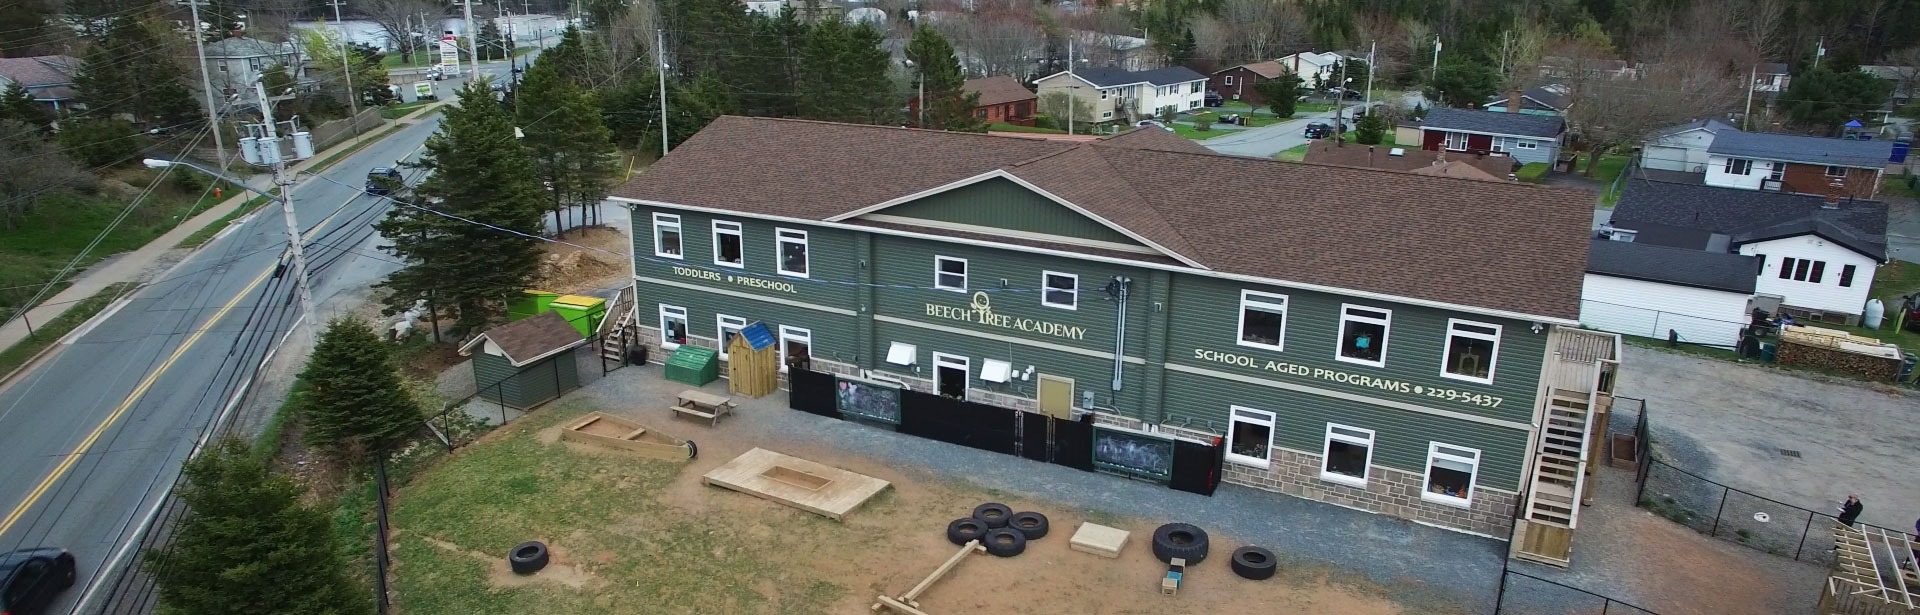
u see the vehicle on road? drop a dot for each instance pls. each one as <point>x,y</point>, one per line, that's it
<point>1214,99</point>
<point>382,181</point>
<point>1146,123</point>
<point>31,578</point>
<point>1318,130</point>
<point>435,74</point>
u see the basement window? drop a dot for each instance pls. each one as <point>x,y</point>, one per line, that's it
<point>1250,437</point>
<point>666,236</point>
<point>793,252</point>
<point>1363,335</point>
<point>673,326</point>
<point>1349,453</point>
<point>1450,474</point>
<point>1472,348</point>
<point>950,273</point>
<point>1263,320</point>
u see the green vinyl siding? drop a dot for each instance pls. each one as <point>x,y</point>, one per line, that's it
<point>1400,437</point>
<point>1001,203</point>
<point>1088,373</point>
<point>831,258</point>
<point>527,386</point>
<point>833,334</point>
<point>1205,316</point>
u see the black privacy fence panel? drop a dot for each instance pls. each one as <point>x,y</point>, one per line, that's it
<point>988,428</point>
<point>1033,435</point>
<point>1196,467</point>
<point>812,392</point>
<point>1073,444</point>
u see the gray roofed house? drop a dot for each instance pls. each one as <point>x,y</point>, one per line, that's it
<point>235,63</point>
<point>1494,123</point>
<point>47,79</point>
<point>1544,100</point>
<point>1120,95</point>
<point>1656,263</point>
<point>1170,75</point>
<point>1526,137</point>
<point>1802,149</point>
<point>1732,211</point>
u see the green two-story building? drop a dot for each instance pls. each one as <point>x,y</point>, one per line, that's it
<point>1375,339</point>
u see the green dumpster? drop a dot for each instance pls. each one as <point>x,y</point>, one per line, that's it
<point>584,313</point>
<point>693,365</point>
<point>529,303</point>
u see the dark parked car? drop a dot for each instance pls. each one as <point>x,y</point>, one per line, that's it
<point>30,578</point>
<point>1214,99</point>
<point>1318,130</point>
<point>382,181</point>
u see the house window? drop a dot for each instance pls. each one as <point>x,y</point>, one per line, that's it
<point>666,235</point>
<point>1450,474</point>
<point>1263,320</point>
<point>728,326</point>
<point>727,244</point>
<point>793,252</point>
<point>1833,171</point>
<point>1786,268</point>
<point>1194,88</point>
<point>1103,94</point>
<point>1250,437</point>
<point>950,273</point>
<point>1061,290</point>
<point>1229,81</point>
<point>1846,276</point>
<point>1499,144</point>
<point>1106,114</point>
<point>673,326</point>
<point>950,375</point>
<point>1363,335</point>
<point>1520,144</point>
<point>1739,166</point>
<point>1193,104</point>
<point>1349,452</point>
<point>1456,140</point>
<point>1776,171</point>
<point>1802,270</point>
<point>1819,268</point>
<point>1472,348</point>
<point>796,347</point>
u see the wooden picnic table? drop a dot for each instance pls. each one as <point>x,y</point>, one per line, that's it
<point>698,403</point>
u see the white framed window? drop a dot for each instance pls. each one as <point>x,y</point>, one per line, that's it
<point>1229,81</point>
<point>1451,473</point>
<point>1472,350</point>
<point>1363,335</point>
<point>1738,166</point>
<point>1061,290</point>
<point>1250,437</point>
<point>1456,141</point>
<point>673,326</point>
<point>1194,88</point>
<point>792,248</point>
<point>729,248</point>
<point>1349,454</point>
<point>728,327</point>
<point>1776,171</point>
<point>950,273</point>
<point>1263,320</point>
<point>1833,171</point>
<point>950,375</point>
<point>1106,114</point>
<point>1103,94</point>
<point>795,343</point>
<point>1522,144</point>
<point>666,236</point>
<point>1499,144</point>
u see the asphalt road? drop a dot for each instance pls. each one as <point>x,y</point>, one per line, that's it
<point>92,436</point>
<point>1265,141</point>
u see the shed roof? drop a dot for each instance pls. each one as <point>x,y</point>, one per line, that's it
<point>1802,149</point>
<point>530,339</point>
<point>1492,122</point>
<point>1670,265</point>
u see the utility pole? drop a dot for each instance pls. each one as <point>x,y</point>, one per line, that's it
<point>346,70</point>
<point>206,83</point>
<point>473,45</point>
<point>1370,70</point>
<point>270,154</point>
<point>526,9</point>
<point>660,53</point>
<point>1340,106</point>
<point>1746,117</point>
<point>1819,51</point>
<point>1071,86</point>
<point>1435,75</point>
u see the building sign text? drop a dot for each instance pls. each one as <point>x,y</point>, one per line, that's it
<point>1360,380</point>
<point>715,276</point>
<point>981,311</point>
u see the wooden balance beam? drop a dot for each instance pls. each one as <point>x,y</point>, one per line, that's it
<point>909,602</point>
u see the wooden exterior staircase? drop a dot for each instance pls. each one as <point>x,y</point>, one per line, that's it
<point>1571,416</point>
<point>618,332</point>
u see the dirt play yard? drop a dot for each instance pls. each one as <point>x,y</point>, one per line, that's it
<point>632,535</point>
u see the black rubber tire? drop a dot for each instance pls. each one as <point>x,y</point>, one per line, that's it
<point>692,450</point>
<point>994,514</point>
<point>1183,540</point>
<point>1033,525</point>
<point>527,558</point>
<point>1255,563</point>
<point>965,530</point>
<point>1005,542</point>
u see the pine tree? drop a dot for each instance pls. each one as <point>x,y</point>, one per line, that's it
<point>844,75</point>
<point>135,69</point>
<point>17,105</point>
<point>776,47</point>
<point>1281,92</point>
<point>569,142</point>
<point>249,547</point>
<point>946,104</point>
<point>358,401</point>
<point>480,172</point>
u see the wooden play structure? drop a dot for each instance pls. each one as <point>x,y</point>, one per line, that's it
<point>702,405</point>
<point>816,488</point>
<point>1867,577</point>
<point>603,429</point>
<point>909,602</point>
<point>753,365</point>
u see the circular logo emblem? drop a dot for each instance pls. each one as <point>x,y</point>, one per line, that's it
<point>980,301</point>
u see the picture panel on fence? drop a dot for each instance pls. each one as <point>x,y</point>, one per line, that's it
<point>1133,452</point>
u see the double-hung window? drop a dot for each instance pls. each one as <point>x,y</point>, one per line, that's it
<point>1833,171</point>
<point>1846,276</point>
<point>792,246</point>
<point>1472,348</point>
<point>1739,166</point>
<point>673,326</point>
<point>1363,335</point>
<point>727,244</point>
<point>1250,437</point>
<point>1450,474</point>
<point>1061,290</point>
<point>1776,171</point>
<point>666,236</point>
<point>728,326</point>
<point>1229,81</point>
<point>796,346</point>
<point>1349,453</point>
<point>1263,320</point>
<point>1456,141</point>
<point>1804,270</point>
<point>1499,145</point>
<point>950,273</point>
<point>1194,88</point>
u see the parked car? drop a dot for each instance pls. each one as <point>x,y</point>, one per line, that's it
<point>1146,123</point>
<point>1318,130</point>
<point>31,578</point>
<point>1214,99</point>
<point>382,181</point>
<point>435,74</point>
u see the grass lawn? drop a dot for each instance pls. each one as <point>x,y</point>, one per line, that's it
<point>394,112</point>
<point>1894,280</point>
<point>1532,172</point>
<point>45,334</point>
<point>364,141</point>
<point>1896,185</point>
<point>1005,127</point>
<point>1254,120</point>
<point>62,223</point>
<point>1192,132</point>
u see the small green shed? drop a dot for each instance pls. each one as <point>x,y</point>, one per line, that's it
<point>525,363</point>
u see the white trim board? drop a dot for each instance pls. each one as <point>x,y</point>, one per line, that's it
<point>1347,292</point>
<point>988,230</point>
<point>743,295</point>
<point>1385,403</point>
<point>1004,338</point>
<point>1491,134</point>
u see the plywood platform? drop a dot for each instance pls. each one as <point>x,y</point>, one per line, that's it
<point>1099,540</point>
<point>816,488</point>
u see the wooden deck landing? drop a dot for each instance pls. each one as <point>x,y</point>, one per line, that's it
<point>816,488</point>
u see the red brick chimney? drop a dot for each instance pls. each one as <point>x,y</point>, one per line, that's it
<point>1514,101</point>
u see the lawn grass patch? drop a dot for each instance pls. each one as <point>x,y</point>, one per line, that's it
<point>1191,132</point>
<point>48,333</point>
<point>62,223</point>
<point>394,112</point>
<point>1293,154</point>
<point>1535,172</point>
<point>1005,127</point>
<point>1893,281</point>
<point>1897,186</point>
<point>206,233</point>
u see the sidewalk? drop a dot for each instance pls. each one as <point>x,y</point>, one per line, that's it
<point>129,267</point>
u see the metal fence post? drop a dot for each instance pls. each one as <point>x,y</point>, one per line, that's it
<point>380,555</point>
<point>1724,490</point>
<point>1803,536</point>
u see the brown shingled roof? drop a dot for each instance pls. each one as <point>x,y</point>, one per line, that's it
<point>998,90</point>
<point>1324,151</point>
<point>530,338</point>
<point>1493,245</point>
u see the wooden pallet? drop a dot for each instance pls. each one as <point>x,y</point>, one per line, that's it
<point>813,487</point>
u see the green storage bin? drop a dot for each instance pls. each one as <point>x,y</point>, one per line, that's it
<point>693,365</point>
<point>584,313</point>
<point>529,303</point>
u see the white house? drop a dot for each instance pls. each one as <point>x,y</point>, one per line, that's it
<point>1310,64</point>
<point>1119,95</point>
<point>1771,77</point>
<point>1682,148</point>
<point>1651,290</point>
<point>1796,163</point>
<point>1819,268</point>
<point>766,7</point>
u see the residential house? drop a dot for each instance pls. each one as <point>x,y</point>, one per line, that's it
<point>1797,163</point>
<point>234,64</point>
<point>1310,65</point>
<point>1526,137</point>
<point>1111,49</point>
<point>1904,79</point>
<point>1816,254</point>
<point>1550,99</point>
<point>1771,78</point>
<point>1119,95</point>
<point>1238,83</point>
<point>1682,148</point>
<point>1646,289</point>
<point>1085,281</point>
<point>1326,151</point>
<point>47,79</point>
<point>1556,67</point>
<point>1002,99</point>
<point>766,7</point>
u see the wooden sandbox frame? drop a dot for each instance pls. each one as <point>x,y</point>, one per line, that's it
<point>634,437</point>
<point>813,487</point>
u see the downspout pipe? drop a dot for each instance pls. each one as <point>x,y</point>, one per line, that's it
<point>1121,284</point>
